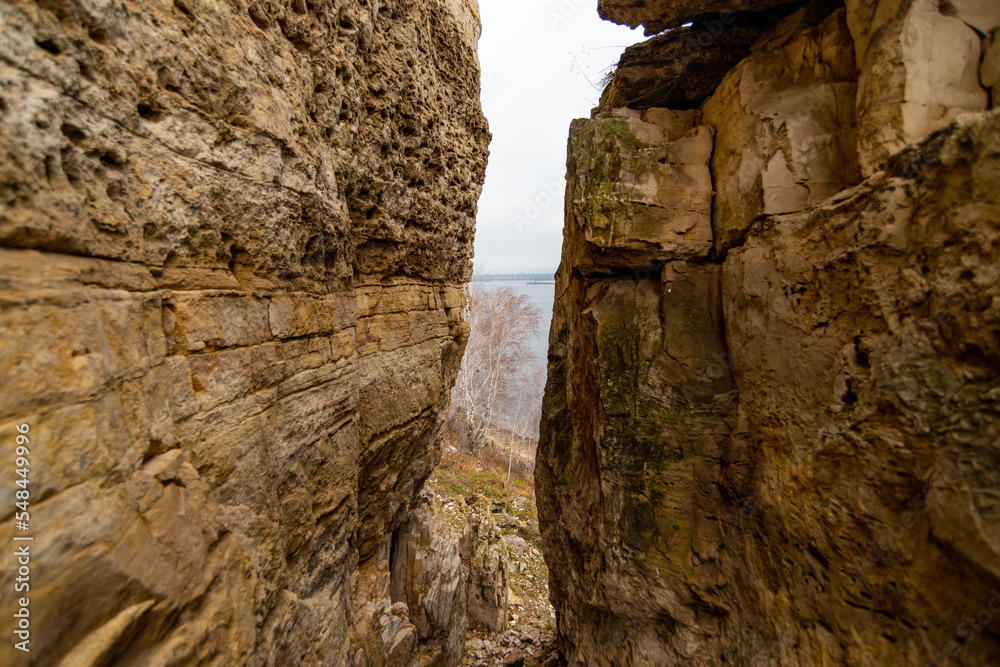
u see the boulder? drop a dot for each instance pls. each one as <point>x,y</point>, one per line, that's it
<point>658,15</point>
<point>784,122</point>
<point>486,559</point>
<point>919,70</point>
<point>644,189</point>
<point>781,449</point>
<point>682,67</point>
<point>232,313</point>
<point>427,575</point>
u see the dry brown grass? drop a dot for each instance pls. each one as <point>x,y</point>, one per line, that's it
<point>462,473</point>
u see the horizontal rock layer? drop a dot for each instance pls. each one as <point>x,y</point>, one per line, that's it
<point>234,240</point>
<point>658,15</point>
<point>769,434</point>
<point>681,68</point>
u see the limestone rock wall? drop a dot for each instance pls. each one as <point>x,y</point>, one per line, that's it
<point>234,238</point>
<point>429,577</point>
<point>770,430</point>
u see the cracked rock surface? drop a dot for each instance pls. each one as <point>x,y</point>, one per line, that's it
<point>770,429</point>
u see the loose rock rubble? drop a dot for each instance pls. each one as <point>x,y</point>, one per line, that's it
<point>527,636</point>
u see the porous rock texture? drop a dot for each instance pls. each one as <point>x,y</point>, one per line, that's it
<point>771,429</point>
<point>235,238</point>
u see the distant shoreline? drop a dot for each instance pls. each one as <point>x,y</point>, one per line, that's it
<point>544,278</point>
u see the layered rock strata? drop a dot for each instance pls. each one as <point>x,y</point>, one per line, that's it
<point>484,554</point>
<point>771,421</point>
<point>430,576</point>
<point>235,238</point>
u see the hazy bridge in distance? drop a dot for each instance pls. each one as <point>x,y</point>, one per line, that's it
<point>515,276</point>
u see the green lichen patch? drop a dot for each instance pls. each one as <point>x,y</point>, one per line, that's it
<point>603,152</point>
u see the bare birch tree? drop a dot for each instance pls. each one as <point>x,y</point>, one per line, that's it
<point>504,323</point>
<point>524,425</point>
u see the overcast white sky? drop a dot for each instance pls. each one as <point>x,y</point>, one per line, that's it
<point>542,62</point>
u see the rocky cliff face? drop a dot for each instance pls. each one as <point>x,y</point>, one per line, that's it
<point>770,432</point>
<point>235,237</point>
